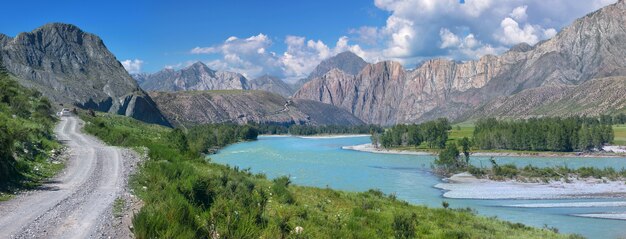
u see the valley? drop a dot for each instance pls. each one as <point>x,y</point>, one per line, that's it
<point>425,119</point>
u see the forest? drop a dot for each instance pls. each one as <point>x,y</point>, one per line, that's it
<point>433,133</point>
<point>545,134</point>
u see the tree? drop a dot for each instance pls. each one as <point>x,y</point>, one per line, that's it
<point>465,146</point>
<point>448,158</point>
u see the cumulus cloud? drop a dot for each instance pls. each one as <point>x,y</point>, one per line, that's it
<point>413,31</point>
<point>132,66</point>
<point>251,58</point>
<point>419,29</point>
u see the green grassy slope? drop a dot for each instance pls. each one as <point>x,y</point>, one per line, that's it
<point>186,196</point>
<point>26,140</point>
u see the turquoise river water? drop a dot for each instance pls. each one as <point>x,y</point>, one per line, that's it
<point>323,163</point>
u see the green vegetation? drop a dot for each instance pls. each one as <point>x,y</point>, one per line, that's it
<point>433,133</point>
<point>26,138</point>
<point>118,207</point>
<point>533,173</point>
<point>544,134</point>
<point>186,196</point>
<point>317,130</point>
<point>620,134</point>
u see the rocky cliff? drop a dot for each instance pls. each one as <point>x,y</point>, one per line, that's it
<point>591,98</point>
<point>74,67</point>
<point>593,46</point>
<point>271,84</point>
<point>246,106</point>
<point>197,76</point>
<point>347,62</point>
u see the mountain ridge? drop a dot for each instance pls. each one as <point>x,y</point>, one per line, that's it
<point>593,46</point>
<point>74,67</point>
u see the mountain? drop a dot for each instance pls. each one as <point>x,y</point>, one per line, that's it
<point>594,46</point>
<point>592,98</point>
<point>244,106</point>
<point>271,84</point>
<point>197,76</point>
<point>74,67</point>
<point>347,62</point>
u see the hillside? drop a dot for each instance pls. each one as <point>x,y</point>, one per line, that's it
<point>70,66</point>
<point>593,46</point>
<point>592,98</point>
<point>239,106</point>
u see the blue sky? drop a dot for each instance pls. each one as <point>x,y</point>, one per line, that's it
<point>288,38</point>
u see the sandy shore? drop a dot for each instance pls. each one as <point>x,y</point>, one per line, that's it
<point>370,148</point>
<point>464,185</point>
<point>612,152</point>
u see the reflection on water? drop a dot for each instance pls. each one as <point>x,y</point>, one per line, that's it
<point>322,162</point>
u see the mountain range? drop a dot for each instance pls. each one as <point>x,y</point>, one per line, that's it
<point>580,71</point>
<point>594,46</point>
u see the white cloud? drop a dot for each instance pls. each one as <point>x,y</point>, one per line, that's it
<point>519,13</point>
<point>251,58</point>
<point>132,66</point>
<point>414,30</point>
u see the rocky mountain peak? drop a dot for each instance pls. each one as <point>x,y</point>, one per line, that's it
<point>71,66</point>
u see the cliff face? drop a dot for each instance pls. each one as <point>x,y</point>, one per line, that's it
<point>195,77</point>
<point>73,67</point>
<point>271,84</point>
<point>593,46</point>
<point>239,106</point>
<point>347,62</point>
<point>592,98</point>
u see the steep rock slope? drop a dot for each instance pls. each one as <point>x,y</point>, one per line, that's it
<point>593,46</point>
<point>271,84</point>
<point>197,76</point>
<point>594,97</point>
<point>239,106</point>
<point>74,67</point>
<point>347,62</point>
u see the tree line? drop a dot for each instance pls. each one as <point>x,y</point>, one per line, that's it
<point>433,133</point>
<point>544,134</point>
<point>318,129</point>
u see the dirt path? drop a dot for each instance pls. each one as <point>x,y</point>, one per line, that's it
<point>76,203</point>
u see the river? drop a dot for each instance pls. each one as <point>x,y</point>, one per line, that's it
<point>322,163</point>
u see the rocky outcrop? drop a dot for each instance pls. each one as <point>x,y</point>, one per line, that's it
<point>239,106</point>
<point>347,62</point>
<point>74,67</point>
<point>197,76</point>
<point>593,46</point>
<point>271,84</point>
<point>592,98</point>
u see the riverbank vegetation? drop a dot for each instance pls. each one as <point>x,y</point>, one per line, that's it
<point>434,134</point>
<point>186,196</point>
<point>544,134</point>
<point>26,137</point>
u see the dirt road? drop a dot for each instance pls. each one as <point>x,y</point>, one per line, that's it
<point>77,202</point>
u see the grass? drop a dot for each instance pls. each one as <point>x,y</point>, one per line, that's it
<point>118,207</point>
<point>186,196</point>
<point>620,134</point>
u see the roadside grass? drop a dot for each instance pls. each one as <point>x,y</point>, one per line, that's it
<point>26,138</point>
<point>187,196</point>
<point>118,207</point>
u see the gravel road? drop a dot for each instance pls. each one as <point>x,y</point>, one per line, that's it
<point>77,203</point>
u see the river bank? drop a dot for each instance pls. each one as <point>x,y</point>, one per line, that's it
<point>611,152</point>
<point>467,186</point>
